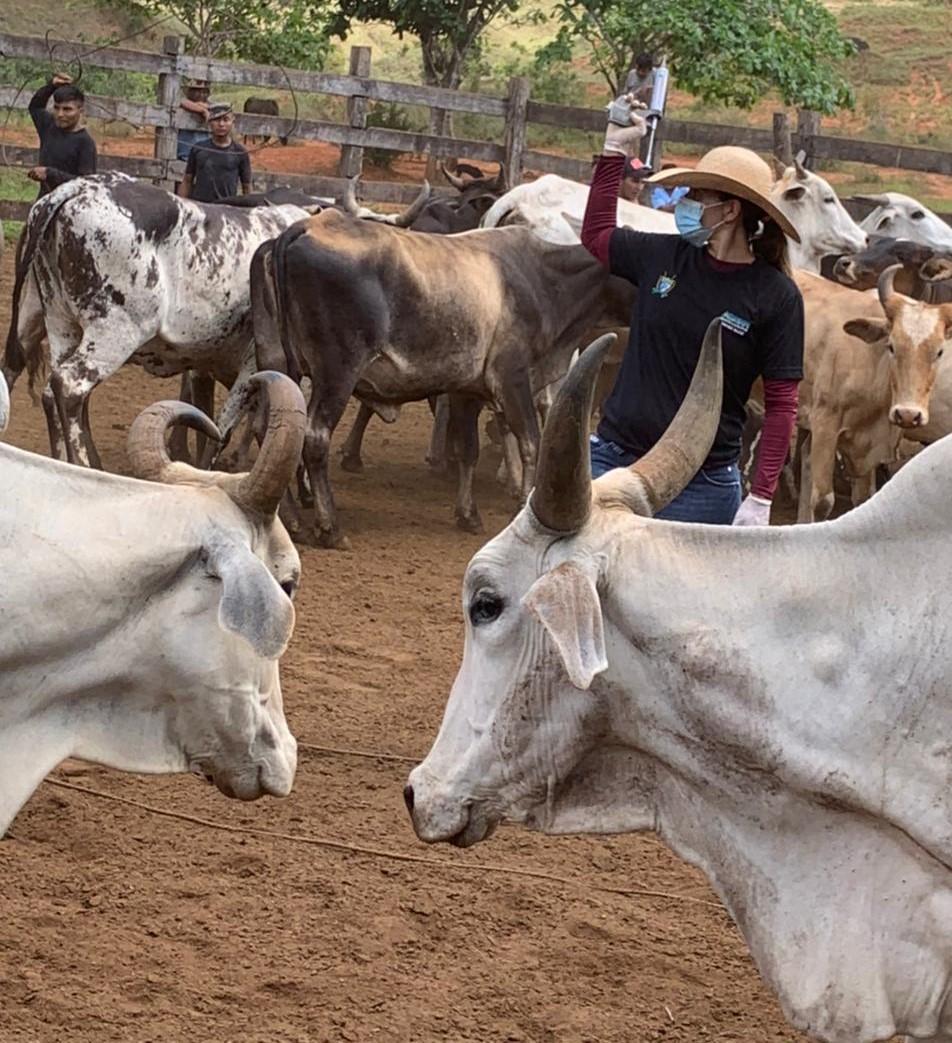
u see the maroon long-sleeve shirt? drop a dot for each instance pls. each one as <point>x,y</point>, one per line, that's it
<point>601,238</point>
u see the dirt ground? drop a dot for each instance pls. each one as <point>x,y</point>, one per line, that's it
<point>122,924</point>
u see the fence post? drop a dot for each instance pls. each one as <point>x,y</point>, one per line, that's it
<point>808,128</point>
<point>782,140</point>
<point>517,105</point>
<point>167,95</point>
<point>352,157</point>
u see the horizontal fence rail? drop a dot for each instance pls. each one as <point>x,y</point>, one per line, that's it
<point>515,111</point>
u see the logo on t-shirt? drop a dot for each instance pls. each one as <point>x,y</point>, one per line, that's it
<point>735,323</point>
<point>664,285</point>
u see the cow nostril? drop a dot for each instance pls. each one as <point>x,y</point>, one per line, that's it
<point>408,798</point>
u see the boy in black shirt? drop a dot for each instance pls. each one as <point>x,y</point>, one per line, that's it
<point>216,165</point>
<point>66,149</point>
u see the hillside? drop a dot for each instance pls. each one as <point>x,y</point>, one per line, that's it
<point>902,79</point>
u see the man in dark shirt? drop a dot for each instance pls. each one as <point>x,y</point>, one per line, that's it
<point>66,149</point>
<point>216,165</point>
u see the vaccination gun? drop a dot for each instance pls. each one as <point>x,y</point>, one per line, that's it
<point>619,112</point>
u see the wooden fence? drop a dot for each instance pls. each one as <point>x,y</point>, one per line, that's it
<point>515,112</point>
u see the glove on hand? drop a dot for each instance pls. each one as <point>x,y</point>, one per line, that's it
<point>755,510</point>
<point>624,140</point>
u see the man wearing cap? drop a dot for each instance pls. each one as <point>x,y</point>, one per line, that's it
<point>195,102</point>
<point>728,260</point>
<point>217,165</point>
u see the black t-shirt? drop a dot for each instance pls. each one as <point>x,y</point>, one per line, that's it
<point>65,153</point>
<point>680,290</point>
<point>216,171</point>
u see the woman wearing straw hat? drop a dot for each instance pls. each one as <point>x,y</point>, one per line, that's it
<point>729,260</point>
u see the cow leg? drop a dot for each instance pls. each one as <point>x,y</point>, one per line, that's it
<point>464,436</point>
<point>823,439</point>
<point>53,423</point>
<point>436,454</point>
<point>862,488</point>
<point>806,481</point>
<point>522,420</point>
<point>350,451</point>
<point>323,415</point>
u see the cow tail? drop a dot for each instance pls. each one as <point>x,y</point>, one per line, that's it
<point>282,296</point>
<point>39,220</point>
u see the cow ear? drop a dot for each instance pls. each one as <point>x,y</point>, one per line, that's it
<point>871,330</point>
<point>253,605</point>
<point>565,601</point>
<point>794,193</point>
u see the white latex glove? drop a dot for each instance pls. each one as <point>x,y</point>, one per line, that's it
<point>755,510</point>
<point>625,140</point>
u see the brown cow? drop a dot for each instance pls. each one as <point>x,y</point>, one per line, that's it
<point>870,365</point>
<point>392,316</point>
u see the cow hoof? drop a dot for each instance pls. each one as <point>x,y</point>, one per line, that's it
<point>353,464</point>
<point>331,539</point>
<point>469,523</point>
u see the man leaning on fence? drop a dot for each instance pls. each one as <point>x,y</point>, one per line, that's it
<point>66,148</point>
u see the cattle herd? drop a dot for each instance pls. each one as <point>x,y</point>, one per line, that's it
<point>769,701</point>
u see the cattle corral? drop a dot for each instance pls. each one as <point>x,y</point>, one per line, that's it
<point>125,925</point>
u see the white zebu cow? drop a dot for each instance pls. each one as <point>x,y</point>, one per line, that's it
<point>903,217</point>
<point>774,703</point>
<point>806,198</point>
<point>141,623</point>
<point>541,204</point>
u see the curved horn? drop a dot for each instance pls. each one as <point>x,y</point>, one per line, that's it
<point>348,202</point>
<point>500,182</point>
<point>457,182</point>
<point>260,490</point>
<point>562,497</point>
<point>673,461</point>
<point>800,168</point>
<point>146,446</point>
<point>414,210</point>
<point>888,297</point>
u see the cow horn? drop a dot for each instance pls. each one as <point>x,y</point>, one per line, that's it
<point>676,458</point>
<point>458,183</point>
<point>348,202</point>
<point>261,489</point>
<point>562,497</point>
<point>414,210</point>
<point>888,297</point>
<point>501,182</point>
<point>799,167</point>
<point>146,448</point>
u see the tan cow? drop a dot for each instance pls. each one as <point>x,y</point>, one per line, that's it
<point>869,368</point>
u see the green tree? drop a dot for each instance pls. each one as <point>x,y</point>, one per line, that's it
<point>282,32</point>
<point>729,51</point>
<point>450,34</point>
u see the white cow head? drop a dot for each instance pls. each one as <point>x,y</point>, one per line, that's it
<point>916,336</point>
<point>525,710</point>
<point>818,215</point>
<point>232,616</point>
<point>903,217</point>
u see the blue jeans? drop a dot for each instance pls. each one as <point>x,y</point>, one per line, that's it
<point>712,496</point>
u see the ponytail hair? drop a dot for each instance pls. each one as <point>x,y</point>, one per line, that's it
<point>766,238</point>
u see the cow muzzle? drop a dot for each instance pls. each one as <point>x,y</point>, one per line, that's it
<point>443,818</point>
<point>270,775</point>
<point>845,271</point>
<point>908,417</point>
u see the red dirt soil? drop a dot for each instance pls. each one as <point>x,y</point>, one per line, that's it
<point>122,926</point>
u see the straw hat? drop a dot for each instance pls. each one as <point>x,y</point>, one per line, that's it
<point>736,172</point>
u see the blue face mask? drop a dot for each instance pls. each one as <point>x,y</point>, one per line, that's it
<point>687,219</point>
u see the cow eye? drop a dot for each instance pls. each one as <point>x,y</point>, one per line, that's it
<point>485,607</point>
<point>918,215</point>
<point>939,353</point>
<point>830,200</point>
